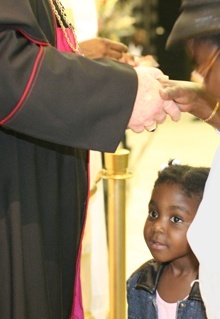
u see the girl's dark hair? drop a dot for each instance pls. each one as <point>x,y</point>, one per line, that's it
<point>191,179</point>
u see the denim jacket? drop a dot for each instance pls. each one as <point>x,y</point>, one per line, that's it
<point>141,295</point>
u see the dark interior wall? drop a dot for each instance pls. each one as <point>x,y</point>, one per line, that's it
<point>174,63</point>
<point>157,17</point>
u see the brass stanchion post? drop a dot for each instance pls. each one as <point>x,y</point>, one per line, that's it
<point>116,174</point>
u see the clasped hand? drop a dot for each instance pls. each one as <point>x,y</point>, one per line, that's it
<point>149,108</point>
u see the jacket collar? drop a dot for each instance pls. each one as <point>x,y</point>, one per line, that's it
<point>150,273</point>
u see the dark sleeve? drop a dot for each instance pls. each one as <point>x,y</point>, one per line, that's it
<point>61,97</point>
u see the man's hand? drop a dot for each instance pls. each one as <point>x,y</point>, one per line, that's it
<point>149,107</point>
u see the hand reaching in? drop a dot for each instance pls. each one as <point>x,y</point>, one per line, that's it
<point>190,97</point>
<point>102,48</point>
<point>185,93</point>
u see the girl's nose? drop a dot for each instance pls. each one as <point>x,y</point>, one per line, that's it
<point>159,226</point>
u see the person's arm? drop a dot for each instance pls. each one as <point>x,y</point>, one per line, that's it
<point>68,99</point>
<point>193,98</point>
<point>61,97</point>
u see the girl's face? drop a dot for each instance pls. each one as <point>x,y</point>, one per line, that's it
<point>170,215</point>
<point>206,56</point>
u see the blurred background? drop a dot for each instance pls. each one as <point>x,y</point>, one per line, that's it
<point>145,24</point>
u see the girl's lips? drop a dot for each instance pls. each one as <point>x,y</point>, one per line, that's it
<point>157,245</point>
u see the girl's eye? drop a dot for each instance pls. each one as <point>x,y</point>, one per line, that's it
<point>153,214</point>
<point>176,219</point>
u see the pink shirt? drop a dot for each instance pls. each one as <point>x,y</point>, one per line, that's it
<point>165,310</point>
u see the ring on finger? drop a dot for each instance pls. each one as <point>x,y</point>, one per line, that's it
<point>152,127</point>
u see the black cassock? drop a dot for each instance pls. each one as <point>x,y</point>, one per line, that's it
<point>53,108</point>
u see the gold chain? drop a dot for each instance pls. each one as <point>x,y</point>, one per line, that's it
<point>68,23</point>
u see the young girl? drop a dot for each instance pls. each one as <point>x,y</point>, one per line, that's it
<point>166,287</point>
